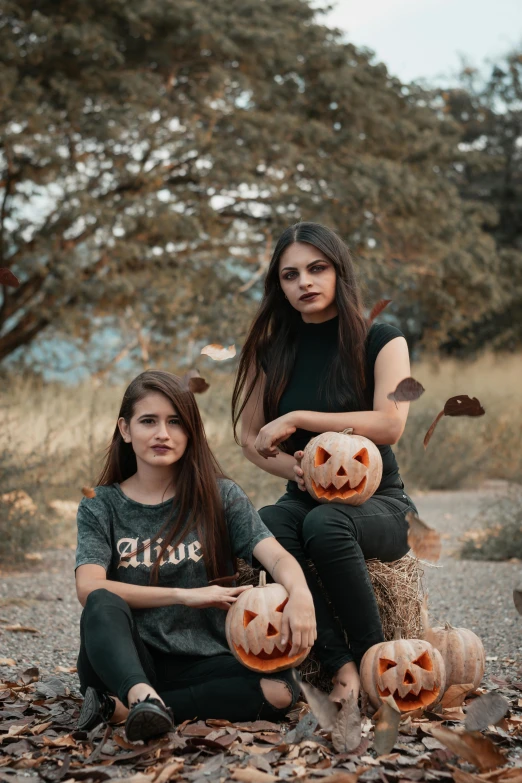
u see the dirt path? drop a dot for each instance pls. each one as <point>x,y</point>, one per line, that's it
<point>477,595</point>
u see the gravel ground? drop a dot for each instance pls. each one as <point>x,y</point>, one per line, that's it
<point>474,594</point>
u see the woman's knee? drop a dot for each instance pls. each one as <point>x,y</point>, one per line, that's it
<point>276,519</point>
<point>99,600</point>
<point>322,527</point>
<point>277,693</point>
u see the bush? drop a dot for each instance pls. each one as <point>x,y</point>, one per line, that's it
<point>500,534</point>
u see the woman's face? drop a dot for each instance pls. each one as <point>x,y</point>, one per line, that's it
<point>308,281</point>
<point>155,432</point>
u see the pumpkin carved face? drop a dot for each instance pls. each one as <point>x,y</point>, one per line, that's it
<point>253,629</point>
<point>341,467</point>
<point>410,670</point>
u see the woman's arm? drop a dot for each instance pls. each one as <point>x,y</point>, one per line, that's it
<point>91,577</point>
<point>252,420</point>
<point>383,425</point>
<point>299,614</point>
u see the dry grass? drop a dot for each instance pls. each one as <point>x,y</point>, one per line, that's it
<point>53,437</point>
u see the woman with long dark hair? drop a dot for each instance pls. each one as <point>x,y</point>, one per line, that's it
<point>163,525</point>
<point>309,365</point>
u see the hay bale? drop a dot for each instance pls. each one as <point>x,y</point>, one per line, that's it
<point>399,593</point>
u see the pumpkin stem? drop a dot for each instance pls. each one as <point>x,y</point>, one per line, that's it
<point>262,579</point>
<point>448,627</point>
<point>397,634</point>
<point>348,431</point>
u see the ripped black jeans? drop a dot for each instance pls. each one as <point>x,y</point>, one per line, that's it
<point>337,539</point>
<point>113,658</point>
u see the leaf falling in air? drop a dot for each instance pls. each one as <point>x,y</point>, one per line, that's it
<point>322,707</point>
<point>431,430</point>
<point>194,383</point>
<point>486,711</point>
<point>346,733</point>
<point>517,599</point>
<point>455,695</point>
<point>462,405</point>
<point>475,748</point>
<point>218,352</point>
<point>377,309</point>
<point>408,390</point>
<point>88,492</point>
<point>8,278</point>
<point>423,540</point>
<point>387,720</point>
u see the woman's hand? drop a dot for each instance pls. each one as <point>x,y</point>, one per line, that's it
<point>273,433</point>
<point>212,597</point>
<point>299,473</point>
<point>299,621</point>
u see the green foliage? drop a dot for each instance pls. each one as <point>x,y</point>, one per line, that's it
<point>151,152</point>
<point>500,535</point>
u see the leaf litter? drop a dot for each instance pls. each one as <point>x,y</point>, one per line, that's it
<point>39,740</point>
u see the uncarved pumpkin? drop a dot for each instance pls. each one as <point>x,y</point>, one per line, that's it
<point>341,467</point>
<point>253,629</point>
<point>462,652</point>
<point>410,670</point>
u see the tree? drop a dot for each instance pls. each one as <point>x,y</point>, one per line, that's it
<point>488,172</point>
<point>152,152</point>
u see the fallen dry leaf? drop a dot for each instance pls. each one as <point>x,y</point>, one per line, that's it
<point>377,309</point>
<point>455,694</point>
<point>20,629</point>
<point>408,390</point>
<point>33,556</point>
<point>218,352</point>
<point>473,747</point>
<point>66,669</point>
<point>8,278</point>
<point>7,662</point>
<point>486,711</point>
<point>424,541</point>
<point>170,770</point>
<point>346,733</point>
<point>387,720</point>
<point>460,776</point>
<point>251,775</point>
<point>88,492</point>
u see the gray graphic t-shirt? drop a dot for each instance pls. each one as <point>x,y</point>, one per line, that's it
<point>111,527</point>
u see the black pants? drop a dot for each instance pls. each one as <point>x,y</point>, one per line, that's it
<point>337,539</point>
<point>113,658</point>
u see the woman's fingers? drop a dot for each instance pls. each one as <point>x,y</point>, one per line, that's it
<point>296,643</point>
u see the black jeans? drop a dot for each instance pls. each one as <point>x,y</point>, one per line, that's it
<point>337,539</point>
<point>113,658</point>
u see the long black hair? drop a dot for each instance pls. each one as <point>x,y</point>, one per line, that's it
<point>274,331</point>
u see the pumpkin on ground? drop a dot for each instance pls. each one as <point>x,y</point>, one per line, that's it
<point>253,629</point>
<point>462,652</point>
<point>341,467</point>
<point>410,670</point>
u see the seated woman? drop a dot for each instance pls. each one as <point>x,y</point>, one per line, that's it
<point>309,365</point>
<point>165,523</point>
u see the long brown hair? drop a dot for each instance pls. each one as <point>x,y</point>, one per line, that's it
<point>197,503</point>
<point>273,333</point>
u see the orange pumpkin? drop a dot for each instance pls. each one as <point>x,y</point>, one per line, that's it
<point>253,629</point>
<point>462,652</point>
<point>341,467</point>
<point>410,670</point>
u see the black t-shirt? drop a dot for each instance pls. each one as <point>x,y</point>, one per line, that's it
<point>317,345</point>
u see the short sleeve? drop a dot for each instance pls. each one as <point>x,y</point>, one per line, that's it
<point>245,526</point>
<point>94,544</point>
<point>378,336</point>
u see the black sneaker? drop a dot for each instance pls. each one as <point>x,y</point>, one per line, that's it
<point>148,718</point>
<point>98,707</point>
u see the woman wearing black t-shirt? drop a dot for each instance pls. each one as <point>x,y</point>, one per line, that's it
<point>309,365</point>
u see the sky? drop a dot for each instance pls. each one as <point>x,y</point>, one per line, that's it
<point>422,39</point>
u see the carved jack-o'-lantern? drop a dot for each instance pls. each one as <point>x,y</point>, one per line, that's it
<point>410,670</point>
<point>253,629</point>
<point>342,468</point>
